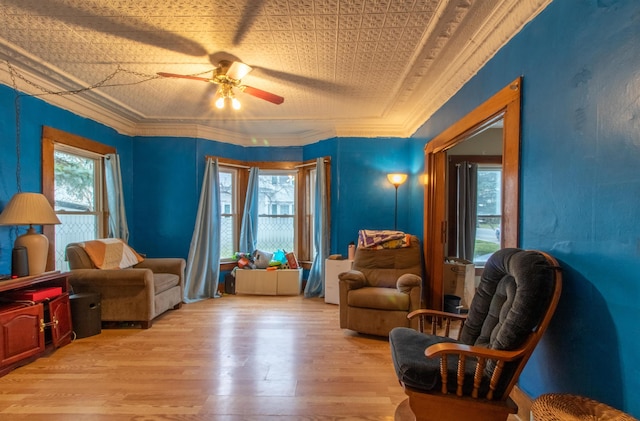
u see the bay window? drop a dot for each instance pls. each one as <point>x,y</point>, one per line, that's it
<point>286,206</point>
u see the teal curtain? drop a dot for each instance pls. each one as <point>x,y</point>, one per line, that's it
<point>315,282</point>
<point>118,227</point>
<point>203,264</point>
<point>249,226</point>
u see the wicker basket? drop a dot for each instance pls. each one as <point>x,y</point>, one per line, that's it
<point>565,407</point>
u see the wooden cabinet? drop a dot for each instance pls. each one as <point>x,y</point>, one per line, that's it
<point>29,329</point>
<point>20,333</point>
<point>60,320</point>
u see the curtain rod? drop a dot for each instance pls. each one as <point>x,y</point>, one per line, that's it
<point>234,165</point>
<point>309,164</point>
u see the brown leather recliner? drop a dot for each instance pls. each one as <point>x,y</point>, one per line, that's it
<point>382,288</point>
<point>136,294</point>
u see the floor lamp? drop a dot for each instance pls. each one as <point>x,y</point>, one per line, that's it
<point>396,179</point>
<point>31,209</point>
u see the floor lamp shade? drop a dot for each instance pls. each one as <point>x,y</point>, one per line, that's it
<point>396,179</point>
<point>31,209</point>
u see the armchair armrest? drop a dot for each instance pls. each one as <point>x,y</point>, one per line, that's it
<point>164,265</point>
<point>99,278</point>
<point>126,294</point>
<point>483,355</point>
<point>426,312</point>
<point>436,317</point>
<point>448,348</point>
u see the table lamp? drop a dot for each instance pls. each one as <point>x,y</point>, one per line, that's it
<point>31,209</point>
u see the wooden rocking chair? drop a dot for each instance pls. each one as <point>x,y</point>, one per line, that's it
<point>470,377</point>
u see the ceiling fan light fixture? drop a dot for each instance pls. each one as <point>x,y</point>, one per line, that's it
<point>227,76</point>
<point>238,70</point>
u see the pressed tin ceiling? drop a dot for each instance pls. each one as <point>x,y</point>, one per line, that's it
<point>361,68</point>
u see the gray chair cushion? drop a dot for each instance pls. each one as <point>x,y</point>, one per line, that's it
<point>415,370</point>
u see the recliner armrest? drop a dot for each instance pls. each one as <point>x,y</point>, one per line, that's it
<point>354,279</point>
<point>408,281</point>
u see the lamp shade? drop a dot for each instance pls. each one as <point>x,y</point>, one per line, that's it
<point>31,209</point>
<point>396,179</point>
<point>28,209</point>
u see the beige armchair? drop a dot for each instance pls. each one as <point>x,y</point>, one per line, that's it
<point>136,294</point>
<point>382,288</point>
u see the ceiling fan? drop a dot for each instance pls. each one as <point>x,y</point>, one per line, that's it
<point>228,76</point>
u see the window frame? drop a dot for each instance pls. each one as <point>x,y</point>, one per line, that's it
<point>303,220</point>
<point>51,137</point>
<point>99,207</point>
<point>235,214</point>
<point>481,160</point>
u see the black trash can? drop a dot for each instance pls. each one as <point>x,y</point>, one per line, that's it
<point>86,315</point>
<point>229,284</point>
<point>452,303</point>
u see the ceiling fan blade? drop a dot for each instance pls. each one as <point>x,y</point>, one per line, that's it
<point>259,93</point>
<point>307,82</point>
<point>249,15</point>
<point>137,30</point>
<point>202,79</point>
<point>238,70</point>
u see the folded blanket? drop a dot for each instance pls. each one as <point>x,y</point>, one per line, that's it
<point>378,239</point>
<point>111,253</point>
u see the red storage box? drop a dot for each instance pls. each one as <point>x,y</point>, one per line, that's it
<point>292,260</point>
<point>35,294</point>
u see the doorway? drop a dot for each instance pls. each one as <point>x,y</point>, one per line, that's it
<point>505,106</point>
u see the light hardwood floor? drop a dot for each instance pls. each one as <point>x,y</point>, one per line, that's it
<point>232,358</point>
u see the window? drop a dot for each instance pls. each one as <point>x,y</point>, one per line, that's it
<point>73,180</point>
<point>489,212</point>
<point>229,216</point>
<point>276,199</point>
<point>286,206</point>
<point>78,181</point>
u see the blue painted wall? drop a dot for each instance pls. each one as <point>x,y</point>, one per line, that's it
<point>35,114</point>
<point>168,178</point>
<point>580,190</point>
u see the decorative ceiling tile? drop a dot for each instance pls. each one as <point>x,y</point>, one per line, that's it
<point>326,21</point>
<point>329,59</point>
<point>351,7</point>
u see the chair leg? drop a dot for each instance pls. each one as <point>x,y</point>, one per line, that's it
<point>146,324</point>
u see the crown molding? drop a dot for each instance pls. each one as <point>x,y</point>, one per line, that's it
<point>508,20</point>
<point>199,131</point>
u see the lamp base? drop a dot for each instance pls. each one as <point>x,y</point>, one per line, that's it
<point>37,246</point>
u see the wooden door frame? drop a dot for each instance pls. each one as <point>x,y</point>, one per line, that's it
<point>504,104</point>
